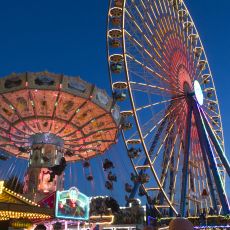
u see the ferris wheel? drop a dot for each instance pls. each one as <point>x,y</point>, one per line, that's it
<point>171,126</point>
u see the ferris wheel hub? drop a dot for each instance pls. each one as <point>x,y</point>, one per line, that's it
<point>198,92</point>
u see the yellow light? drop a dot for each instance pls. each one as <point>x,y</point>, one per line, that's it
<point>1,186</point>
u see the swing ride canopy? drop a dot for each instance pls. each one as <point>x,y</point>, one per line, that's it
<point>49,108</point>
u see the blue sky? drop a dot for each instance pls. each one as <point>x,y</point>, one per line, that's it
<point>70,37</point>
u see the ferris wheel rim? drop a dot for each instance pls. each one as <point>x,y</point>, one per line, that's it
<point>137,124</point>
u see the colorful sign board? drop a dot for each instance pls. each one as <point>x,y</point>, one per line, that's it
<point>72,204</point>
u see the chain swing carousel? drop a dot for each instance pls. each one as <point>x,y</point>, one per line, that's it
<point>51,120</point>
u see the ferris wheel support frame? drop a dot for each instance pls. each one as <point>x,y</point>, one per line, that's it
<point>204,141</point>
<point>209,177</point>
<point>204,130</point>
<point>186,161</point>
<point>216,144</point>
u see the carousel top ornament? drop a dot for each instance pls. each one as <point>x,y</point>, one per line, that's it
<point>47,108</point>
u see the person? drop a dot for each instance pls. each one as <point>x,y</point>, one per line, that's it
<point>111,176</point>
<point>107,164</point>
<point>57,169</point>
<point>40,227</point>
<point>180,224</point>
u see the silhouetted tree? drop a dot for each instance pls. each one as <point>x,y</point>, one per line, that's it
<point>40,227</point>
<point>57,226</point>
<point>112,203</point>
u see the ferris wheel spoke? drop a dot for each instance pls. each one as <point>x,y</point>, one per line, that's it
<point>160,47</point>
<point>149,78</point>
<point>178,156</point>
<point>158,103</point>
<point>149,58</point>
<point>178,60</point>
<point>169,7</point>
<point>170,173</point>
<point>168,113</point>
<point>148,12</point>
<point>166,10</point>
<point>163,7</point>
<point>172,170</point>
<point>153,80</point>
<point>172,45</point>
<point>161,146</point>
<point>139,48</point>
<point>146,83</point>
<point>140,16</point>
<point>166,167</point>
<point>156,8</point>
<point>147,128</point>
<point>154,158</point>
<point>175,33</point>
<point>153,142</point>
<point>188,50</point>
<point>176,172</point>
<point>150,70</point>
<point>136,42</point>
<point>152,89</point>
<point>174,16</point>
<point>159,124</point>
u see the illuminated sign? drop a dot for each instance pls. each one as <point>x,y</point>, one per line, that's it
<point>1,186</point>
<point>72,204</point>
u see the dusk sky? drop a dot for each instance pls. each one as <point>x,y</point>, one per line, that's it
<point>70,37</point>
